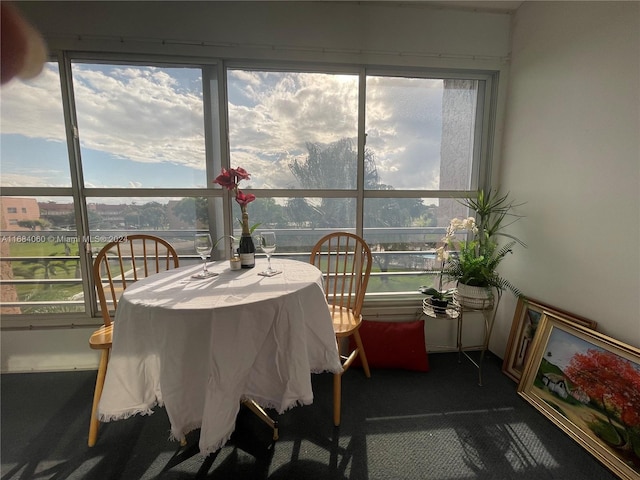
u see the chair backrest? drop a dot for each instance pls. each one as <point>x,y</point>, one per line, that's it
<point>345,261</point>
<point>123,262</point>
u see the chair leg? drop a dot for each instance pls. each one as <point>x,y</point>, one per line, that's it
<point>363,356</point>
<point>262,415</point>
<point>94,424</point>
<point>337,398</point>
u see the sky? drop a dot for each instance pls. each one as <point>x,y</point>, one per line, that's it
<point>143,126</point>
<point>562,346</point>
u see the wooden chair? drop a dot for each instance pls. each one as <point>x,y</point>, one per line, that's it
<point>117,265</point>
<point>345,261</point>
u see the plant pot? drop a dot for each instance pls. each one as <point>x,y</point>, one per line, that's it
<point>480,298</point>
<point>439,306</point>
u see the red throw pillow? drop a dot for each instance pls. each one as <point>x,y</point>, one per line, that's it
<point>393,345</point>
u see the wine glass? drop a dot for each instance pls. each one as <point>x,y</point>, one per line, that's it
<point>203,246</point>
<point>267,242</point>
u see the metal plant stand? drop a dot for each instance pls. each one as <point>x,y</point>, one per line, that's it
<point>456,311</point>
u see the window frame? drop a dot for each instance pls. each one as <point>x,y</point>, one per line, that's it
<point>217,155</point>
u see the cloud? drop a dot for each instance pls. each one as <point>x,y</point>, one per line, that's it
<point>563,346</point>
<point>140,113</point>
<point>154,115</point>
<point>21,179</point>
<point>404,118</point>
<point>147,115</point>
<point>34,108</point>
<point>273,115</point>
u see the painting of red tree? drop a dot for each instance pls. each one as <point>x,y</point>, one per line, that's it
<point>611,381</point>
<point>589,385</point>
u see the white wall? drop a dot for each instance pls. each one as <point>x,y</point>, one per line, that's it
<point>352,32</point>
<point>571,149</point>
<point>48,350</point>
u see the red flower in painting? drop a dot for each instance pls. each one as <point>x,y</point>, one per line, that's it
<point>610,381</point>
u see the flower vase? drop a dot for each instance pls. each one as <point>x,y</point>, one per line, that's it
<point>469,296</point>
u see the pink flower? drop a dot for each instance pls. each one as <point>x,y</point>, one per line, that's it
<point>226,179</point>
<point>230,179</point>
<point>240,174</point>
<point>244,199</point>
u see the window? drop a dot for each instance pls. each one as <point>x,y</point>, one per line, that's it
<point>38,275</point>
<point>140,126</point>
<point>380,153</point>
<point>298,132</point>
<point>420,131</point>
<point>41,270</point>
<point>34,149</point>
<point>276,119</point>
<point>421,139</point>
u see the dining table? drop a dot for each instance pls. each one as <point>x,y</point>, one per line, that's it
<point>201,347</point>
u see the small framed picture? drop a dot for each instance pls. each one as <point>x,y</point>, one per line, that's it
<point>525,322</point>
<point>588,384</point>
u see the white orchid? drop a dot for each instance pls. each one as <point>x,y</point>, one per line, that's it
<point>456,225</point>
<point>442,254</point>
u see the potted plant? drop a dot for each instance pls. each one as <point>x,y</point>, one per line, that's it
<point>439,299</point>
<point>473,262</point>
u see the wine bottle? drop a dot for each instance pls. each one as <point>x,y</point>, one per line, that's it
<point>247,251</point>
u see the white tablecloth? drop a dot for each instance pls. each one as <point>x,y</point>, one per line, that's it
<point>199,347</point>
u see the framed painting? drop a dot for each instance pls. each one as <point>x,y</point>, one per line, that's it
<point>588,384</point>
<point>525,322</point>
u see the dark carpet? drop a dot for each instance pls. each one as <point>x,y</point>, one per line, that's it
<point>396,425</point>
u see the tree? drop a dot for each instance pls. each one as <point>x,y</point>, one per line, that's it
<point>333,166</point>
<point>300,213</point>
<point>32,224</point>
<point>67,220</point>
<point>611,381</point>
<point>393,212</point>
<point>192,210</point>
<point>152,214</point>
<point>266,211</point>
<point>49,265</point>
<point>95,219</point>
